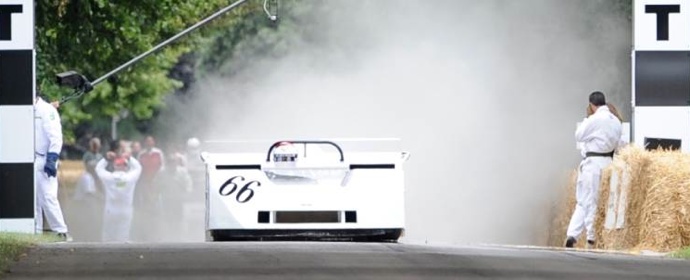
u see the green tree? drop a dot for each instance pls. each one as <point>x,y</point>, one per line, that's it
<point>95,36</point>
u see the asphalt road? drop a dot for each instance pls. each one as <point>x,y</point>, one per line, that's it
<point>304,260</point>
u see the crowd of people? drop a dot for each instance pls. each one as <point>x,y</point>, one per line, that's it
<point>140,188</point>
<point>134,191</point>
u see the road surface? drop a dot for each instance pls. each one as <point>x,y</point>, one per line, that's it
<point>314,260</point>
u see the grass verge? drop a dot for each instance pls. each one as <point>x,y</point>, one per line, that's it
<point>12,245</point>
<point>682,253</point>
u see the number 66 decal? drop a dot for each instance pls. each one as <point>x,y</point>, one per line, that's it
<point>233,187</point>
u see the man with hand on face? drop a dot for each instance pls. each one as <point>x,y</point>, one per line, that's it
<point>119,186</point>
<point>48,144</point>
<point>600,135</point>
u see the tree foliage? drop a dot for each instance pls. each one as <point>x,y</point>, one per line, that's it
<point>240,43</point>
<point>229,50</point>
<point>95,36</point>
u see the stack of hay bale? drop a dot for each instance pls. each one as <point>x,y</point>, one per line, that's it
<point>643,204</point>
<point>561,211</point>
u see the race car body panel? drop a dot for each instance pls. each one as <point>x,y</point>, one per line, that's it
<point>320,194</point>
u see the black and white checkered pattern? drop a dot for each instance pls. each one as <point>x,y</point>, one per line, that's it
<point>17,88</point>
<point>660,68</point>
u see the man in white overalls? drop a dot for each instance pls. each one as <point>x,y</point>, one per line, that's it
<point>48,145</point>
<point>600,135</point>
<point>119,188</point>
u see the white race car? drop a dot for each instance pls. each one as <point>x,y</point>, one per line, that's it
<point>304,190</point>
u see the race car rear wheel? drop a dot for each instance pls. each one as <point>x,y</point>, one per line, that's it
<point>209,236</point>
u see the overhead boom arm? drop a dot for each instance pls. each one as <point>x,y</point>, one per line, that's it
<point>82,85</point>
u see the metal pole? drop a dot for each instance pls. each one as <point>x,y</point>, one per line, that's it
<point>161,45</point>
<point>113,126</point>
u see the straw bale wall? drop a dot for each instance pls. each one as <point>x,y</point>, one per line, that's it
<point>644,203</point>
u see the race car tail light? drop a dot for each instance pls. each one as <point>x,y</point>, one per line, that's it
<point>264,217</point>
<point>350,216</point>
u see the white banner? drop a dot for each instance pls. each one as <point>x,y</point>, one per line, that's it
<point>662,24</point>
<point>16,25</point>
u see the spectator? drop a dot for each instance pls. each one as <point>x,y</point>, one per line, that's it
<point>147,198</point>
<point>136,149</point>
<point>175,185</point>
<point>195,166</point>
<point>152,161</point>
<point>89,184</point>
<point>119,188</point>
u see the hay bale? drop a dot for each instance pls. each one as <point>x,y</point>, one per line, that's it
<point>69,172</point>
<point>561,211</point>
<point>644,203</point>
<point>620,230</point>
<point>604,203</point>
<point>663,212</point>
<point>683,212</point>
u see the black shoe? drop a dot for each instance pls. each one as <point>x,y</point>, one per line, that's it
<point>570,242</point>
<point>65,237</point>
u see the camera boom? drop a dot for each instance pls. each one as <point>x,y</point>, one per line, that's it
<point>82,85</point>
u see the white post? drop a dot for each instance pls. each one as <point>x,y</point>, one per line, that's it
<point>113,126</point>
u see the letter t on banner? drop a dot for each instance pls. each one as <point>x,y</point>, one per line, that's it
<point>662,25</point>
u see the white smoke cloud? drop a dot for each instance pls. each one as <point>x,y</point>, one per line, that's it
<point>485,94</point>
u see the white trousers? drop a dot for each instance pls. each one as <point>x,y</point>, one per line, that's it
<point>117,223</point>
<point>587,196</point>
<point>47,199</point>
<point>86,187</point>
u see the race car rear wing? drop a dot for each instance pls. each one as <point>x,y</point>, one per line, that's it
<point>245,159</point>
<point>276,144</point>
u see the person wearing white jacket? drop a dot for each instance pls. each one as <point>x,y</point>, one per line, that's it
<point>48,145</point>
<point>119,186</point>
<point>600,135</point>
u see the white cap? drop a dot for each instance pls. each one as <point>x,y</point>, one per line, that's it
<point>193,142</point>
